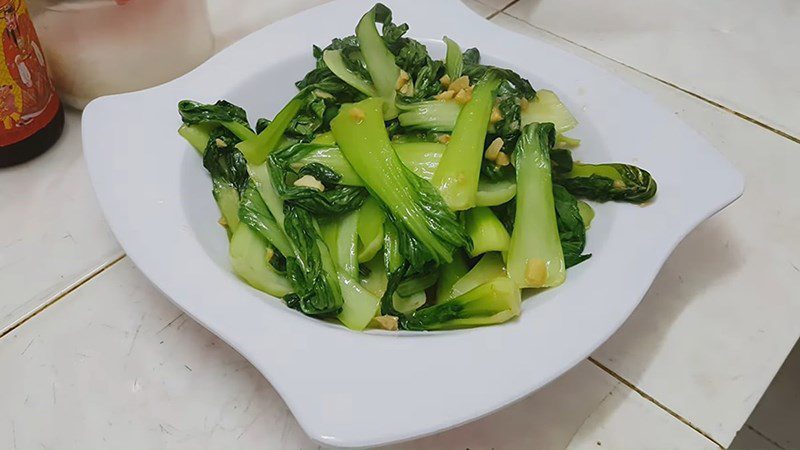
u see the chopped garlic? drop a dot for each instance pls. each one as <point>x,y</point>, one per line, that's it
<point>357,114</point>
<point>459,83</point>
<point>220,143</point>
<point>619,184</point>
<point>502,159</point>
<point>444,139</point>
<point>493,150</point>
<point>446,95</point>
<point>496,115</point>
<point>269,254</point>
<point>407,90</point>
<point>309,182</point>
<point>536,272</point>
<point>445,80</point>
<point>402,80</point>
<point>463,97</point>
<point>319,93</point>
<point>385,322</point>
<point>222,221</point>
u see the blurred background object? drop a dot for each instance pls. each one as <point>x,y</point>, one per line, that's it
<point>31,116</point>
<point>100,47</point>
<point>249,16</point>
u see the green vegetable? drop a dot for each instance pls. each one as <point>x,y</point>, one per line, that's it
<point>260,175</point>
<point>571,229</point>
<point>486,231</point>
<point>561,160</point>
<point>604,182</point>
<point>323,80</point>
<point>428,230</point>
<point>435,115</point>
<point>412,57</point>
<point>380,61</point>
<point>314,115</point>
<point>508,104</point>
<point>566,142</point>
<point>373,276</point>
<point>450,274</point>
<point>261,124</point>
<point>471,56</point>
<point>197,135</point>
<point>334,199</point>
<point>227,199</point>
<point>228,171</point>
<point>489,267</point>
<point>257,148</point>
<point>311,268</point>
<point>370,229</point>
<point>222,113</point>
<point>407,305</point>
<point>396,268</point>
<point>491,303</point>
<point>348,204</point>
<point>248,255</point>
<point>417,283</point>
<point>493,173</point>
<point>360,305</point>
<point>535,258</point>
<point>223,162</point>
<point>506,213</point>
<point>328,155</point>
<point>416,136</point>
<point>333,59</point>
<point>254,212</point>
<point>459,169</point>
<point>453,60</point>
<point>325,138</point>
<point>341,239</point>
<point>546,107</point>
<point>495,193</point>
<point>421,157</point>
<point>586,212</point>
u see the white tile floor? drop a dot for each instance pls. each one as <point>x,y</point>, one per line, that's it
<point>774,423</point>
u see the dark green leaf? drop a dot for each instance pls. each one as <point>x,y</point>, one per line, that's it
<point>604,182</point>
<point>223,161</point>
<point>193,113</point>
<point>334,200</point>
<point>472,56</point>
<point>419,282</point>
<point>317,287</point>
<point>262,124</point>
<point>571,229</point>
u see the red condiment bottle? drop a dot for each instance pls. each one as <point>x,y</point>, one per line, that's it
<point>31,115</point>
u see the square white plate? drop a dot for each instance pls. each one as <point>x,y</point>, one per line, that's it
<point>362,389</point>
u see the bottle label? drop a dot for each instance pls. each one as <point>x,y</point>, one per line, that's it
<point>28,101</point>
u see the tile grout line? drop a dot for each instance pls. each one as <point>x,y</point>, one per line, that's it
<point>651,399</point>
<point>765,437</point>
<point>494,14</point>
<point>69,290</point>
<point>738,114</point>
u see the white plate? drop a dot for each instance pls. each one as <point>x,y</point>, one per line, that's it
<point>360,389</point>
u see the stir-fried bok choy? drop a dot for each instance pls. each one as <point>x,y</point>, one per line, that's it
<point>397,191</point>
